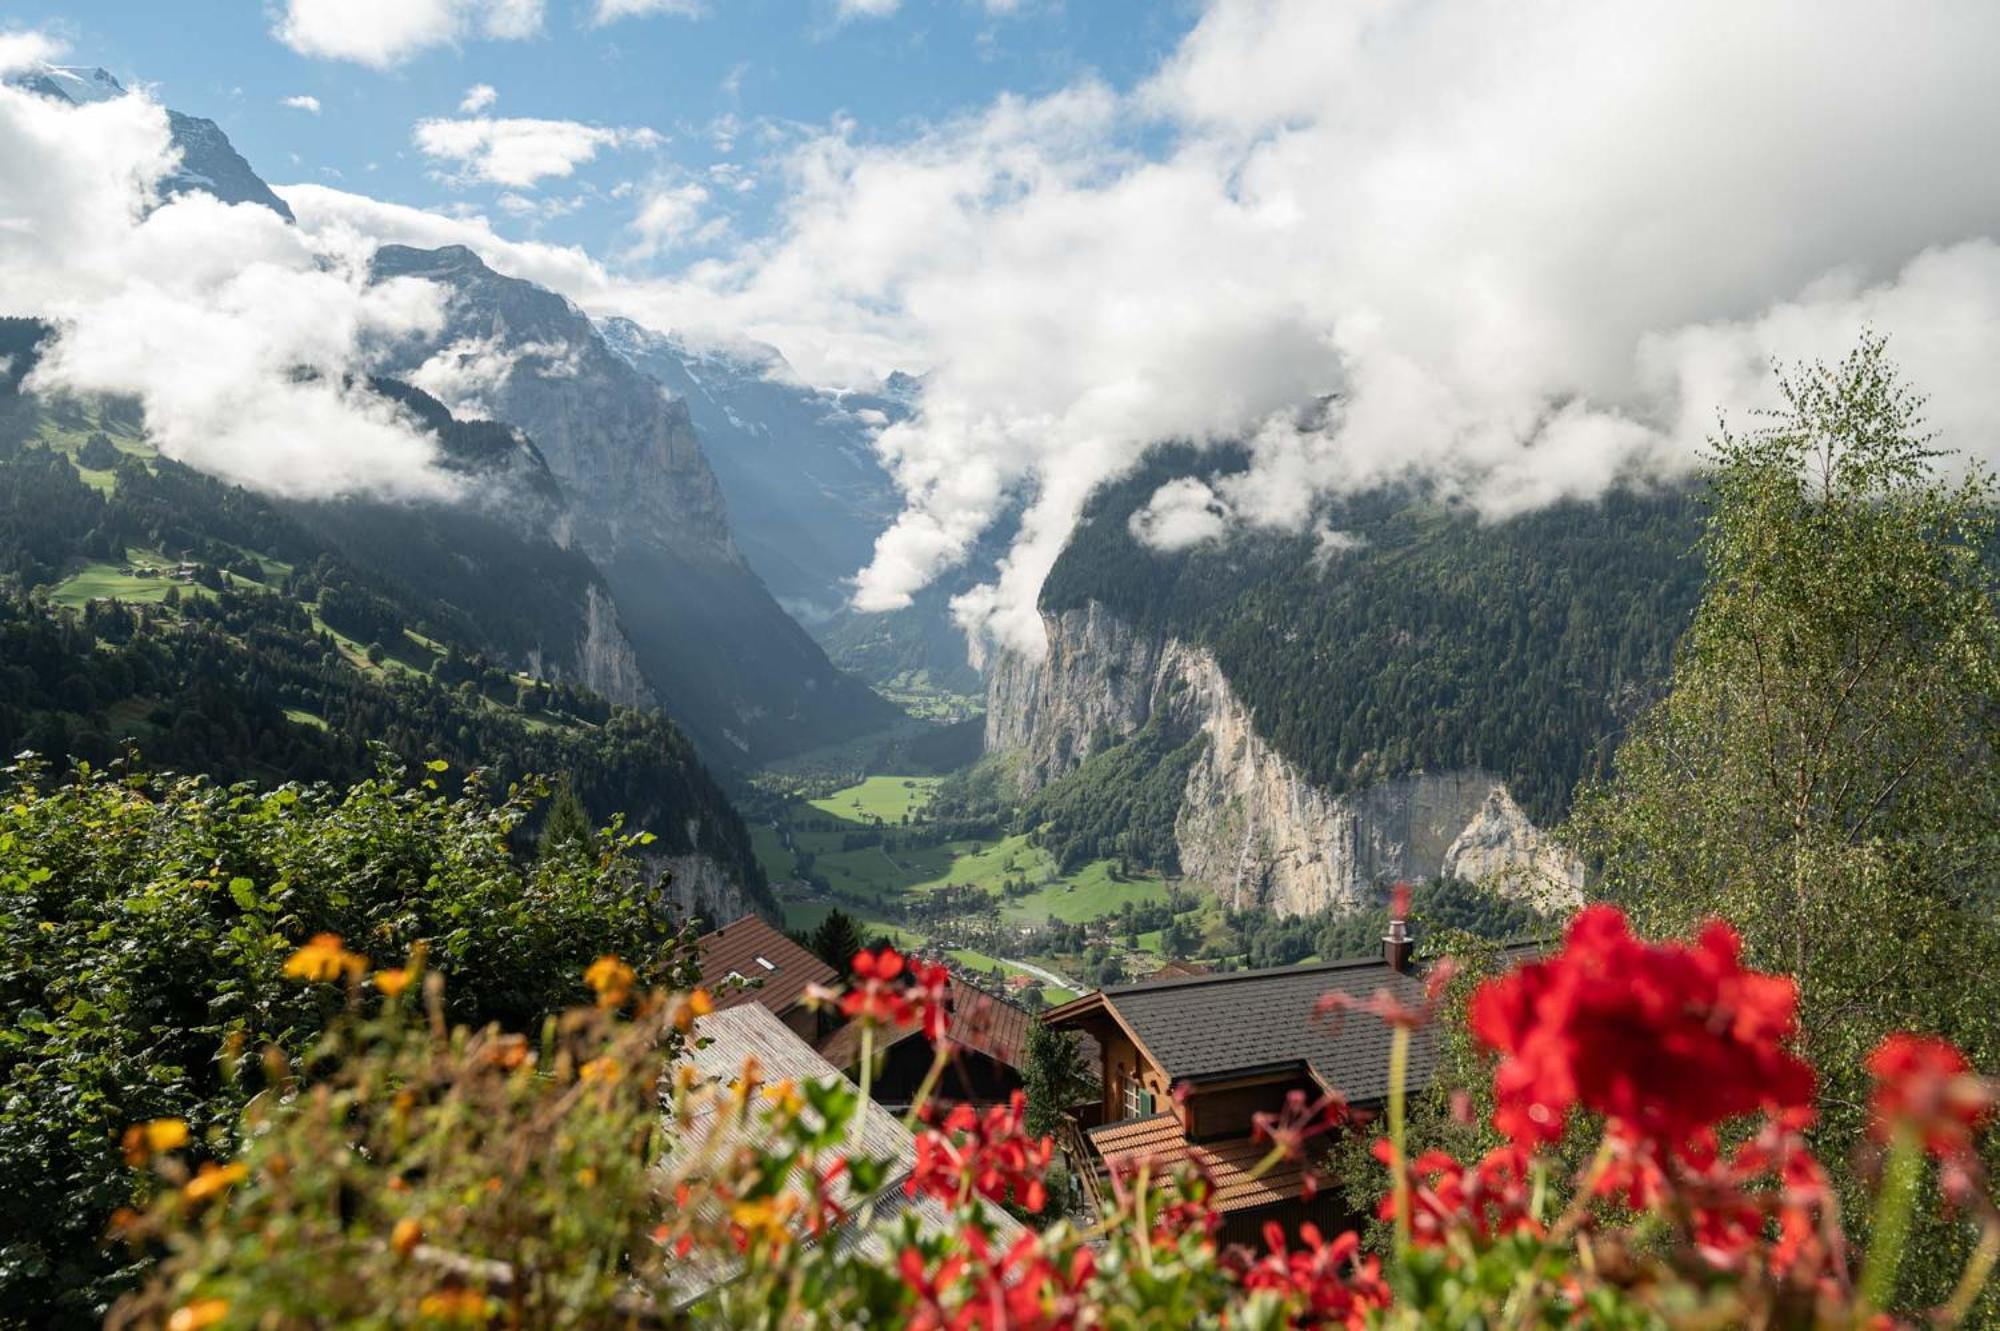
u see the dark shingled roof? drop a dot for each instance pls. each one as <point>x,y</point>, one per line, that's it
<point>979,1021</point>
<point>779,969</point>
<point>1240,1022</point>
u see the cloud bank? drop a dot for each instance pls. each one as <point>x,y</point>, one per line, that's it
<point>239,339</point>
<point>1532,249</point>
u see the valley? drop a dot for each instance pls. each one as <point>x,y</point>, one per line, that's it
<point>991,899</point>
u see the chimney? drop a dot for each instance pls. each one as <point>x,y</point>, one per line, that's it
<point>1396,944</point>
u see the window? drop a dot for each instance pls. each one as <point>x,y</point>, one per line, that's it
<point>769,966</point>
<point>1138,1100</point>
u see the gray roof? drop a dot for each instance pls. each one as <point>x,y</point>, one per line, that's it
<point>1211,1026</point>
<point>723,1041</point>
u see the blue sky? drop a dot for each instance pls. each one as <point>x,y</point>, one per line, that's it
<point>718,88</point>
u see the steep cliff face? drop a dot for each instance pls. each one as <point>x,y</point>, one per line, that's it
<point>710,642</point>
<point>605,659</point>
<point>1251,828</point>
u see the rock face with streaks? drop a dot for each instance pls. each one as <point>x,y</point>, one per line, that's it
<point>1251,828</point>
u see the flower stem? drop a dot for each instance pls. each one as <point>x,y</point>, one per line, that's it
<point>1399,1067</point>
<point>1978,1268</point>
<point>923,1095</point>
<point>1891,1229</point>
<point>857,1129</point>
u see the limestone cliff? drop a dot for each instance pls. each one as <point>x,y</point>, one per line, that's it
<point>1251,828</point>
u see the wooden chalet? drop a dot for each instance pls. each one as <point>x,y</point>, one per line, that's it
<point>1238,1042</point>
<point>748,961</point>
<point>989,1037</point>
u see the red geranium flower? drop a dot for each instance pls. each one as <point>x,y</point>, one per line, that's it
<point>986,1155</point>
<point>1927,1084</point>
<point>1668,1038</point>
<point>874,997</point>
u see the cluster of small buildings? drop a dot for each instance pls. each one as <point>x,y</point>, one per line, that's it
<point>1184,1061</point>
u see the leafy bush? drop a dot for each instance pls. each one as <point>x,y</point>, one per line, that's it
<point>145,923</point>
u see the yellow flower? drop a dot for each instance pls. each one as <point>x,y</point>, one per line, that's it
<point>612,980</point>
<point>601,1069</point>
<point>405,1237</point>
<point>587,1176</point>
<point>392,981</point>
<point>148,1139</point>
<point>324,959</point>
<point>696,1004</point>
<point>214,1179</point>
<point>198,1315</point>
<point>765,1218</point>
<point>785,1095</point>
<point>456,1304</point>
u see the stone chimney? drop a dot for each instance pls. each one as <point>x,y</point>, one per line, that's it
<point>1397,944</point>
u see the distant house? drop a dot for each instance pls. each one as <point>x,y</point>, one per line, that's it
<point>748,961</point>
<point>989,1037</point>
<point>1239,1042</point>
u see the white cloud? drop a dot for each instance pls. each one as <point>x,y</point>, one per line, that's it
<point>26,48</point>
<point>847,9</point>
<point>519,152</point>
<point>477,98</point>
<point>132,285</point>
<point>672,216</point>
<point>303,102</point>
<point>382,33</point>
<point>1180,515</point>
<point>610,11</point>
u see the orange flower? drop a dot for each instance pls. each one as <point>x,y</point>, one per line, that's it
<point>696,1004</point>
<point>393,981</point>
<point>405,1237</point>
<point>612,980</point>
<point>587,1176</point>
<point>198,1315</point>
<point>456,1304</point>
<point>601,1069</point>
<point>324,959</point>
<point>214,1179</point>
<point>143,1140</point>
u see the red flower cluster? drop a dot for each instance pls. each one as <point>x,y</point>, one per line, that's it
<point>1334,1285</point>
<point>983,1154</point>
<point>1021,1290</point>
<point>1925,1084</point>
<point>1666,1039</point>
<point>1491,1199</point>
<point>877,999</point>
<point>1301,1120</point>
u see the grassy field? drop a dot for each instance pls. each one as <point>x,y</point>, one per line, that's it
<point>96,581</point>
<point>888,799</point>
<point>836,838</point>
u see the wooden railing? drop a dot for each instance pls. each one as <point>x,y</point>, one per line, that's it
<point>1085,1164</point>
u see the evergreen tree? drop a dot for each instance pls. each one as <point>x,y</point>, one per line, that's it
<point>836,941</point>
<point>567,824</point>
<point>1053,1079</point>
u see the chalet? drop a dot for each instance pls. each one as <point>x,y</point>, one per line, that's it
<point>989,1037</point>
<point>748,961</point>
<point>1238,1042</point>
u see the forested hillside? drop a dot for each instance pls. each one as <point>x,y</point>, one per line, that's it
<point>1418,637</point>
<point>147,608</point>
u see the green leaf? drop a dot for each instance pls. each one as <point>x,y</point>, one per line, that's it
<point>245,893</point>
